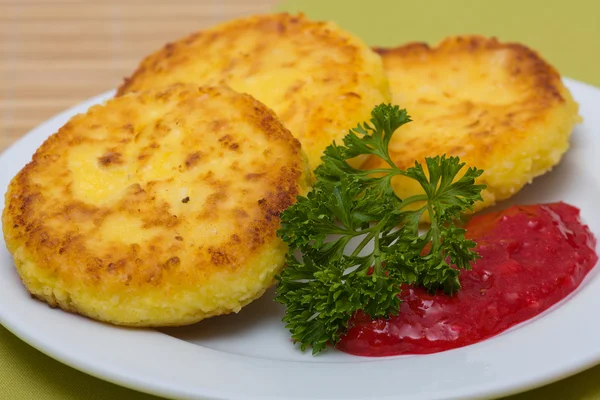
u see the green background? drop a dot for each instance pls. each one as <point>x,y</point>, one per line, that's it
<point>566,33</point>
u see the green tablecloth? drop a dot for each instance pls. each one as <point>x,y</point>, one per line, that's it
<point>566,33</point>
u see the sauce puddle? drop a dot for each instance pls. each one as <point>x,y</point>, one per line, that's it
<point>531,258</point>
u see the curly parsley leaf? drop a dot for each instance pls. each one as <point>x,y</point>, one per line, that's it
<point>353,242</point>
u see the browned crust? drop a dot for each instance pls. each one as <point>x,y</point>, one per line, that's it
<point>54,239</point>
<point>273,26</point>
<point>527,64</point>
<point>319,79</point>
<point>498,106</point>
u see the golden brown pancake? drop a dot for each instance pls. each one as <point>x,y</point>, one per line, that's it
<point>498,106</point>
<point>156,208</point>
<point>320,80</point>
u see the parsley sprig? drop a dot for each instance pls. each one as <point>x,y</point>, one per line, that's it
<point>353,242</point>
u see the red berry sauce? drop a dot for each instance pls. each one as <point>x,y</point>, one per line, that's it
<point>531,258</point>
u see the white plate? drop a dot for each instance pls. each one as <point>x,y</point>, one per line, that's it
<point>249,356</point>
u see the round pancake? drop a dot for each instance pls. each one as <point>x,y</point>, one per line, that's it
<point>156,208</point>
<point>320,80</point>
<point>498,106</point>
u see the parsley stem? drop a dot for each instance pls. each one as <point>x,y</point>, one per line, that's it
<point>387,171</point>
<point>376,248</point>
<point>434,229</point>
<point>377,256</point>
<point>343,232</point>
<point>362,244</point>
<point>412,199</point>
<point>386,157</point>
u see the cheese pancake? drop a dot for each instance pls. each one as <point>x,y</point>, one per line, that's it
<point>156,208</point>
<point>320,80</point>
<point>498,106</point>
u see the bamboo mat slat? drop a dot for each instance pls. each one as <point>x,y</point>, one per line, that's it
<point>55,54</point>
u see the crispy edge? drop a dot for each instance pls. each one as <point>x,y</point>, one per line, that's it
<point>279,23</point>
<point>23,225</point>
<point>543,77</point>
